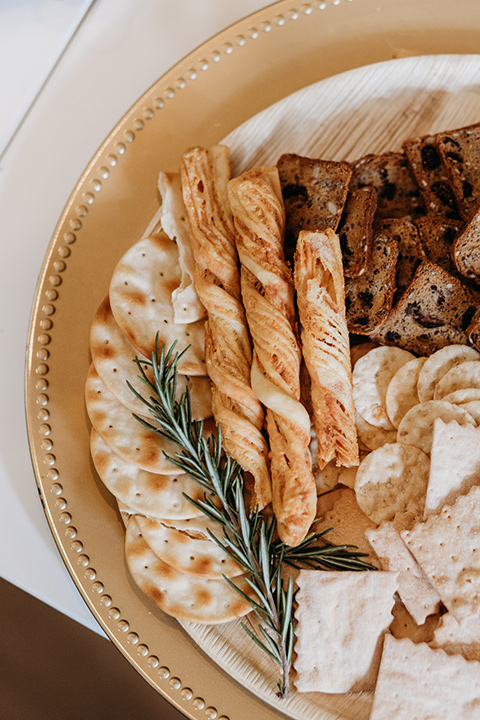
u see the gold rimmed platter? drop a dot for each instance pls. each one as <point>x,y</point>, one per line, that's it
<point>262,60</point>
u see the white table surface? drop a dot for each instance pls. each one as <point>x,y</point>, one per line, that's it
<point>69,70</point>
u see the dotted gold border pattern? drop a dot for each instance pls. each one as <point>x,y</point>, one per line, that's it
<point>47,297</point>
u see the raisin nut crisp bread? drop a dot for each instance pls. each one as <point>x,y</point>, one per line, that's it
<point>398,192</point>
<point>460,152</point>
<point>369,298</point>
<point>429,170</point>
<point>355,230</point>
<point>434,311</point>
<point>410,252</point>
<point>314,192</point>
<point>437,236</point>
<point>466,249</point>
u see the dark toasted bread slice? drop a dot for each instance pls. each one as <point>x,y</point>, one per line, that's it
<point>369,297</point>
<point>398,193</point>
<point>436,236</point>
<point>434,311</point>
<point>460,152</point>
<point>410,252</point>
<point>432,178</point>
<point>355,230</point>
<point>314,192</point>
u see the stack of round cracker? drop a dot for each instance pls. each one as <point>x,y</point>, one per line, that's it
<point>398,397</point>
<point>169,547</point>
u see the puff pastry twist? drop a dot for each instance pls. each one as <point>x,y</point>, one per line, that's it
<point>325,344</point>
<point>268,296</point>
<point>228,352</point>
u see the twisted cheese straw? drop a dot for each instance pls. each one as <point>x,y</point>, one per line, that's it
<point>321,305</point>
<point>228,353</point>
<point>267,290</point>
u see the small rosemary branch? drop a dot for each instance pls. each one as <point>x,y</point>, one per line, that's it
<point>247,535</point>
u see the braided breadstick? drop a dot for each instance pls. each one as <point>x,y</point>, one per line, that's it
<point>321,306</point>
<point>228,354</point>
<point>267,290</point>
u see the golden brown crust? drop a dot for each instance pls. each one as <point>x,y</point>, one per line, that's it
<point>321,304</point>
<point>228,353</point>
<point>267,290</point>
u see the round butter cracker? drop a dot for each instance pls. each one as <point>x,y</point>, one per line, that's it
<point>464,376</point>
<point>140,293</point>
<point>152,494</point>
<point>416,427</point>
<point>125,435</point>
<point>438,364</point>
<point>186,597</point>
<point>187,550</point>
<point>460,397</point>
<point>114,360</point>
<point>390,480</point>
<point>371,376</point>
<point>373,437</point>
<point>402,390</point>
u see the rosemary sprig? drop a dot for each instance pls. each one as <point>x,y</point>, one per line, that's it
<point>246,535</point>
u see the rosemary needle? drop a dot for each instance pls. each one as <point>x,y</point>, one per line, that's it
<point>246,535</point>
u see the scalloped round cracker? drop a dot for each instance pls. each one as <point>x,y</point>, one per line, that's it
<point>371,376</point>
<point>141,290</point>
<point>459,397</point>
<point>188,551</point>
<point>416,427</point>
<point>113,357</point>
<point>461,377</point>
<point>390,480</point>
<point>152,494</point>
<point>373,437</point>
<point>186,597</point>
<point>438,364</point>
<point>127,437</point>
<point>402,390</point>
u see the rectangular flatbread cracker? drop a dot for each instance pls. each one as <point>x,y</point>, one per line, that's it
<point>447,548</point>
<point>342,619</point>
<point>454,463</point>
<point>418,683</point>
<point>414,589</point>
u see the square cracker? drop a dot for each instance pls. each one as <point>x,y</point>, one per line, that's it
<point>454,463</point>
<point>447,548</point>
<point>418,683</point>
<point>414,589</point>
<point>342,619</point>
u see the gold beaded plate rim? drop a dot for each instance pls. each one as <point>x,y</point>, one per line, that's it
<point>203,98</point>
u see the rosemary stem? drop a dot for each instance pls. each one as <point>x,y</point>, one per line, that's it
<point>248,534</point>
